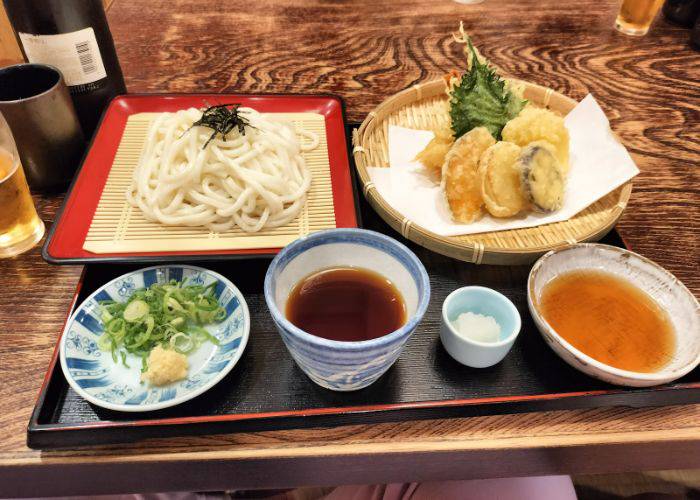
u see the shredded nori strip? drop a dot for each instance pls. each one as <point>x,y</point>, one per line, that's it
<point>222,118</point>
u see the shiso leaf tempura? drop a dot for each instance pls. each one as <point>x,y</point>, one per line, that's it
<point>170,315</point>
<point>482,99</point>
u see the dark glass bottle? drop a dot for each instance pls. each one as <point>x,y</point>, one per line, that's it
<point>682,12</point>
<point>72,35</point>
<point>695,35</point>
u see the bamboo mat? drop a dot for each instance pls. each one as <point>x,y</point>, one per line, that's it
<point>119,227</point>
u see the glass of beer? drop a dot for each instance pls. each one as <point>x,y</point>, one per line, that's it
<point>20,226</point>
<point>635,16</point>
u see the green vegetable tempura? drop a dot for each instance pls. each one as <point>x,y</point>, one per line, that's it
<point>170,315</point>
<point>482,100</point>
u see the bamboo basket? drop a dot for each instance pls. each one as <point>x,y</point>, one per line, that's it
<point>424,107</point>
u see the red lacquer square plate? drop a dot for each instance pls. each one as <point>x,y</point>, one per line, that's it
<point>64,243</point>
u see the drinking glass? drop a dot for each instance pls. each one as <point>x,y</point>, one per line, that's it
<point>635,16</point>
<point>20,226</point>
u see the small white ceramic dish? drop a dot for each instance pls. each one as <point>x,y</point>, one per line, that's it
<point>485,301</point>
<point>682,307</point>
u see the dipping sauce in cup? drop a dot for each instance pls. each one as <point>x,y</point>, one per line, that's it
<point>347,304</point>
<point>320,289</point>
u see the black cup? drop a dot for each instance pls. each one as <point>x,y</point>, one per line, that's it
<point>38,108</point>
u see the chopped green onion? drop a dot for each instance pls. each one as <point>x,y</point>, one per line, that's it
<point>135,311</point>
<point>170,314</point>
<point>182,343</point>
<point>124,359</point>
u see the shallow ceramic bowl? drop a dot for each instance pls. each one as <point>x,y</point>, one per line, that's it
<point>682,307</point>
<point>337,365</point>
<point>96,377</point>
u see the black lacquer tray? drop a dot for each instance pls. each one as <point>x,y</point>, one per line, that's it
<point>267,391</point>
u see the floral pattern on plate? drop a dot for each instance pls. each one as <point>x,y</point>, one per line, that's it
<point>82,344</point>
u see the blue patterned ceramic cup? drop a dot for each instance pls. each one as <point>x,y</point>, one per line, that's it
<point>336,365</point>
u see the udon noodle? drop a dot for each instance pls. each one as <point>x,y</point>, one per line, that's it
<point>254,180</point>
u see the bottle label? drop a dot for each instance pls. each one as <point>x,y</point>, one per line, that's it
<point>75,54</point>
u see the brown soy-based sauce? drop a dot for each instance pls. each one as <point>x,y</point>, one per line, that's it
<point>609,319</point>
<point>346,304</point>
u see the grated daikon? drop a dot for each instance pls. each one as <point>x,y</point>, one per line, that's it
<point>477,327</point>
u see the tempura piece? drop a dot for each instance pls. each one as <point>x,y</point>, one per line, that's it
<point>480,97</point>
<point>460,176</point>
<point>517,87</point>
<point>541,177</point>
<point>452,78</point>
<point>534,124</point>
<point>433,156</point>
<point>500,180</point>
<point>462,37</point>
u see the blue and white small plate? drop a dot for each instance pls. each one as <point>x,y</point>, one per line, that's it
<point>94,375</point>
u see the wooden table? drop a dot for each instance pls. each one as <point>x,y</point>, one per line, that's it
<point>365,51</point>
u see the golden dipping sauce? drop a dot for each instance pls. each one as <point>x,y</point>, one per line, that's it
<point>609,319</point>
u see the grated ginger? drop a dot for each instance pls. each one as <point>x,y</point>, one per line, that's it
<point>165,366</point>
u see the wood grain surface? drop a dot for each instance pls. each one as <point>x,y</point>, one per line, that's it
<point>365,51</point>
